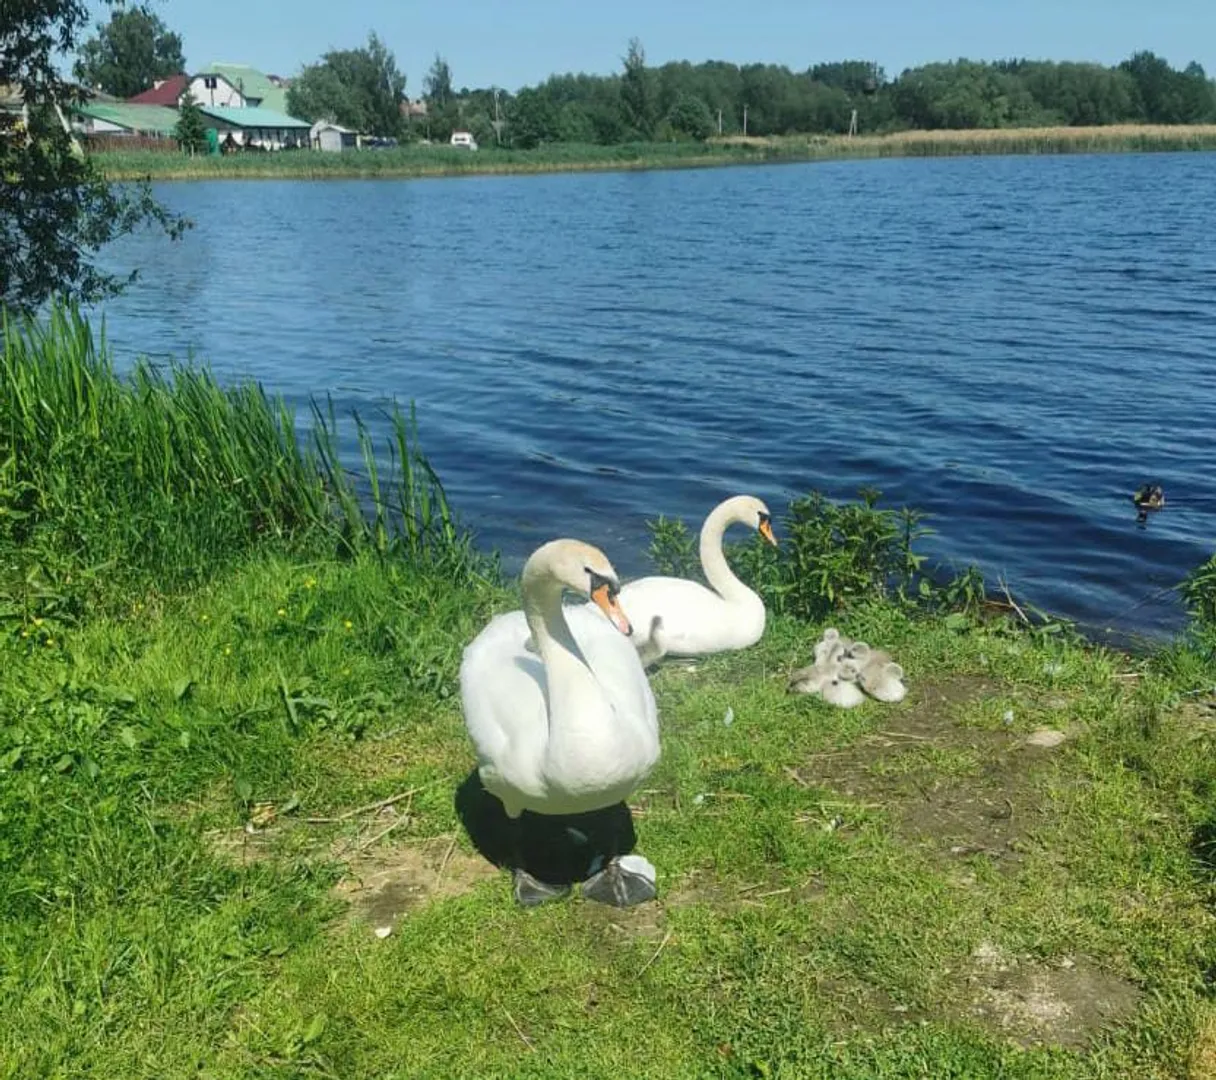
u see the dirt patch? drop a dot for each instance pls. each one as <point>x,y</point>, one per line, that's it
<point>1034,1004</point>
<point>957,789</point>
<point>389,883</point>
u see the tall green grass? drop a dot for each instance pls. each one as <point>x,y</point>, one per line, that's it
<point>427,161</point>
<point>164,473</point>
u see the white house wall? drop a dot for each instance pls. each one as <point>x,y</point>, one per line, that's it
<point>224,93</point>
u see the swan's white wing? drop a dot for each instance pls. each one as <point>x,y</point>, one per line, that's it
<point>695,619</point>
<point>614,660</point>
<point>503,696</point>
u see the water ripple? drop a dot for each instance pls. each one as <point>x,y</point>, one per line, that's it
<point>1012,344</point>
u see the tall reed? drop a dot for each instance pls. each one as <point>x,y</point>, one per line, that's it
<point>166,471</point>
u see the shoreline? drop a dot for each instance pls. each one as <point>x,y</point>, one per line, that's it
<point>438,162</point>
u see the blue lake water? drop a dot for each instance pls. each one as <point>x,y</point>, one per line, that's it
<point>1012,344</point>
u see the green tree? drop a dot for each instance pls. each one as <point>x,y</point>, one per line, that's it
<point>129,53</point>
<point>361,89</point>
<point>532,120</point>
<point>638,98</point>
<point>56,210</point>
<point>190,130</point>
<point>689,116</point>
<point>437,86</point>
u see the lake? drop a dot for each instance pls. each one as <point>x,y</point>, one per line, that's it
<point>1011,344</point>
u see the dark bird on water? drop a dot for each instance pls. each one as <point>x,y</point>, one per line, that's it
<point>1148,497</point>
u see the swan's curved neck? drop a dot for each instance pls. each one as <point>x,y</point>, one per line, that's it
<point>713,559</point>
<point>572,687</point>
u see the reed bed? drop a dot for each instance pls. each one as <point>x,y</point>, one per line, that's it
<point>423,162</point>
<point>164,470</point>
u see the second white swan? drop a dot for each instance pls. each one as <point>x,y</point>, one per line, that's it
<point>679,617</point>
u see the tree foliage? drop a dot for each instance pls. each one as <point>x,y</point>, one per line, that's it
<point>673,99</point>
<point>361,89</point>
<point>637,92</point>
<point>56,210</point>
<point>191,128</point>
<point>129,53</point>
<point>437,85</point>
<point>689,116</point>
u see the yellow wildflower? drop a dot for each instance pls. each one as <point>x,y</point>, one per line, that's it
<point>50,643</point>
<point>282,613</point>
<point>310,583</point>
<point>227,650</point>
<point>206,618</point>
<point>37,622</point>
<point>349,625</point>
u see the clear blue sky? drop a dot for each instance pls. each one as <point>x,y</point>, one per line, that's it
<point>511,43</point>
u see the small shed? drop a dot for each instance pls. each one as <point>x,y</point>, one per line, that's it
<point>332,138</point>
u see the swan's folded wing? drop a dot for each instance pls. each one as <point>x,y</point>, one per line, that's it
<point>693,617</point>
<point>502,692</point>
<point>615,663</point>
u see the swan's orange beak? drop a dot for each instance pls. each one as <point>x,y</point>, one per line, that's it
<point>766,530</point>
<point>610,606</point>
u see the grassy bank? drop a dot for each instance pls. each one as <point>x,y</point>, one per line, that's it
<point>224,776</point>
<point>441,161</point>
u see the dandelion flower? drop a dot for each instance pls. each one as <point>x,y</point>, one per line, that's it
<point>349,625</point>
<point>206,618</point>
<point>282,613</point>
<point>227,650</point>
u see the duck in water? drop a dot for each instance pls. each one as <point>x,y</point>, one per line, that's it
<point>1148,497</point>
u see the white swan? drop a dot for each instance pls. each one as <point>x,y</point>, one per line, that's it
<point>573,730</point>
<point>684,618</point>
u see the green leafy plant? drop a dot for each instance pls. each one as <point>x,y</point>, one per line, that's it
<point>1199,594</point>
<point>673,549</point>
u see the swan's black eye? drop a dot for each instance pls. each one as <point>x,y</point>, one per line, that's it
<point>598,581</point>
<point>765,519</point>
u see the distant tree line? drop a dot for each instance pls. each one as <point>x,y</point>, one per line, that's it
<point>695,101</point>
<point>692,101</point>
<point>363,89</point>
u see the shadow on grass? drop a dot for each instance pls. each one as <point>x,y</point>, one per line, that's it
<point>560,850</point>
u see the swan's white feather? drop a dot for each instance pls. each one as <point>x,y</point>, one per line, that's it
<point>504,693</point>
<point>693,619</point>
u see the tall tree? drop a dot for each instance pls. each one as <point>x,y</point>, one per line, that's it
<point>56,210</point>
<point>361,89</point>
<point>191,128</point>
<point>129,53</point>
<point>437,86</point>
<point>638,98</point>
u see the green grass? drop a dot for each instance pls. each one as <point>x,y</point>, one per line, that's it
<point>416,161</point>
<point>191,758</point>
<point>133,943</point>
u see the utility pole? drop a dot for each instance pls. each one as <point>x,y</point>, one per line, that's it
<point>745,121</point>
<point>719,121</point>
<point>497,121</point>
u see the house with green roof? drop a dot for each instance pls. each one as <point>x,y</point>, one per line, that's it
<point>123,118</point>
<point>250,126</point>
<point>257,88</point>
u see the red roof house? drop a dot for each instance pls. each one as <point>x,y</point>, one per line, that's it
<point>166,92</point>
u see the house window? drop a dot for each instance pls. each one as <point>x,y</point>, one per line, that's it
<point>209,82</point>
